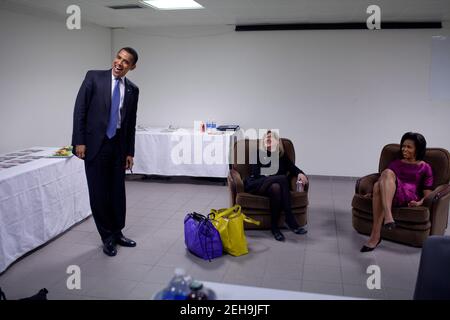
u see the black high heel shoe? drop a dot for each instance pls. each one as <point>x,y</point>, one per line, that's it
<point>278,235</point>
<point>368,249</point>
<point>297,230</point>
<point>390,225</point>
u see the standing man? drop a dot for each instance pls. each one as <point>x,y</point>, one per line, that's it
<point>104,126</point>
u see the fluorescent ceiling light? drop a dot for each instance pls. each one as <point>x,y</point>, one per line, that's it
<point>172,4</point>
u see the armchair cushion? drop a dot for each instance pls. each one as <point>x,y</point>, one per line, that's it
<point>405,214</point>
<point>298,200</point>
<point>252,201</point>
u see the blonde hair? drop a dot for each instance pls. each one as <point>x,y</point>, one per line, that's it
<point>275,136</point>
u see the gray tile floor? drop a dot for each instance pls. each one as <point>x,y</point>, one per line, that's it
<point>326,260</point>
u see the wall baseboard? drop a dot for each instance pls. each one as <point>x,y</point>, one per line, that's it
<point>332,178</point>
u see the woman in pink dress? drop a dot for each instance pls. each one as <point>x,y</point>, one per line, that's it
<point>406,182</point>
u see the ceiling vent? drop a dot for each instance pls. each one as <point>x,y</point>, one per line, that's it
<point>126,7</point>
<point>337,26</point>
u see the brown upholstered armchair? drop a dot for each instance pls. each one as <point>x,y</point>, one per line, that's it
<point>258,207</point>
<point>414,224</point>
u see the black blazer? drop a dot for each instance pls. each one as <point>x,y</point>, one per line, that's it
<point>91,113</point>
<point>255,180</point>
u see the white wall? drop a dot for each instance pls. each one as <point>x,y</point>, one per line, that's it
<point>339,95</point>
<point>42,66</point>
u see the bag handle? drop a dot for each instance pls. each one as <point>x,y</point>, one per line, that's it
<point>231,213</point>
<point>198,216</point>
<point>224,212</point>
<point>250,220</point>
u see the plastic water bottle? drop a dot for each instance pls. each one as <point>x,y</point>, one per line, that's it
<point>196,292</point>
<point>178,288</point>
<point>300,187</point>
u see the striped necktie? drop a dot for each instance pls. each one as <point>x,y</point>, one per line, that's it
<point>114,113</point>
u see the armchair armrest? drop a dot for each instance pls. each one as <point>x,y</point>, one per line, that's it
<point>235,184</point>
<point>365,184</point>
<point>436,195</point>
<point>235,179</point>
<point>438,204</point>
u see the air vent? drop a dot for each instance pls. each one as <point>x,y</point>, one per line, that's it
<point>337,26</point>
<point>126,7</point>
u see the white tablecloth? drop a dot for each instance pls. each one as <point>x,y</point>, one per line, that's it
<point>182,153</point>
<point>38,201</point>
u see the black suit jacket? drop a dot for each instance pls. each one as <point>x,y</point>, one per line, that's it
<point>91,114</point>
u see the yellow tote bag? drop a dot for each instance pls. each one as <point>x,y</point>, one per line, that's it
<point>230,224</point>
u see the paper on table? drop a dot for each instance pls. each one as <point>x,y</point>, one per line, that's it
<point>18,161</point>
<point>7,165</point>
<point>32,157</point>
<point>16,154</point>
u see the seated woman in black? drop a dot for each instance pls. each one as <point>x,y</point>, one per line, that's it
<point>275,186</point>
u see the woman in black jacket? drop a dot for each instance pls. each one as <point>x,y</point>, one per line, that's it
<point>275,186</point>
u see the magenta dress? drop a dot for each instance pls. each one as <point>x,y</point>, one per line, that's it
<point>412,179</point>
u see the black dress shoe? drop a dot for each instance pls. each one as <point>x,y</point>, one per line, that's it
<point>278,235</point>
<point>390,225</point>
<point>109,248</point>
<point>368,249</point>
<point>125,242</point>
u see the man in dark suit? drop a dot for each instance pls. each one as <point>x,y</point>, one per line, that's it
<point>104,126</point>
